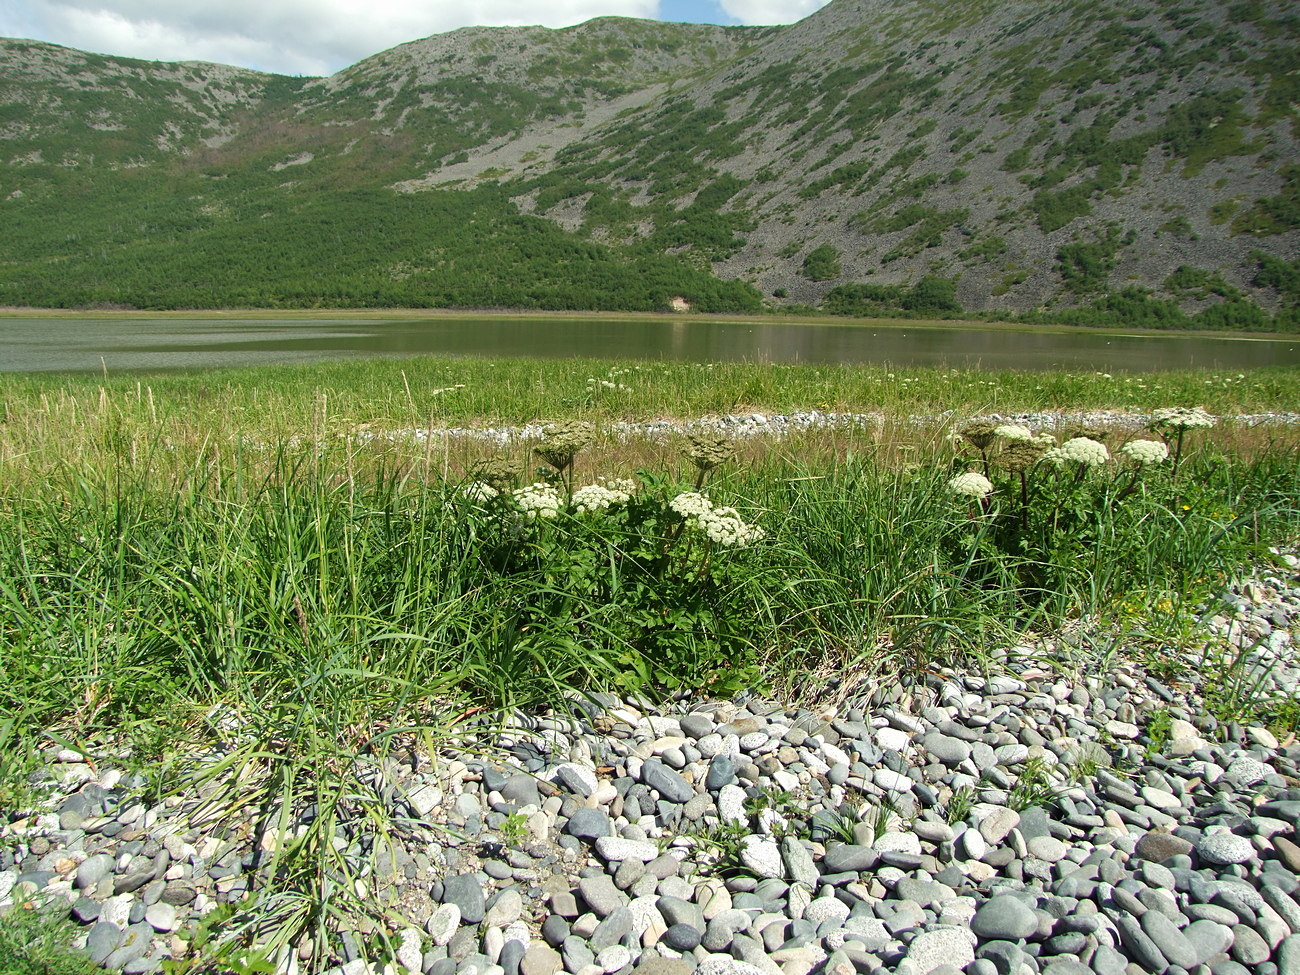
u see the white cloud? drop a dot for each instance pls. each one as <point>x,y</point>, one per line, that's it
<point>766,12</point>
<point>309,37</point>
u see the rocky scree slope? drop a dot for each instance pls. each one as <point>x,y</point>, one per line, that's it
<point>1038,153</point>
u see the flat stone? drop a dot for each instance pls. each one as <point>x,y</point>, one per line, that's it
<point>949,751</point>
<point>998,824</point>
<point>1248,947</point>
<point>466,892</point>
<point>666,781</point>
<point>682,937</point>
<point>541,959</point>
<point>505,908</point>
<point>578,779</point>
<point>1247,771</point>
<point>618,848</point>
<point>1173,944</point>
<point>442,923</point>
<point>162,917</point>
<point>849,858</point>
<point>1288,852</point>
<point>1004,918</point>
<point>589,824</point>
<point>611,930</point>
<point>1047,848</point>
<point>1288,956</point>
<point>1225,848</point>
<point>1208,938</point>
<point>102,941</point>
<point>761,856</point>
<point>941,946</point>
<point>799,866</point>
<point>601,895</point>
<point>1157,846</point>
<point>1140,947</point>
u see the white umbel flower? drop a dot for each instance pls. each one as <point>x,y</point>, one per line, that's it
<point>1182,417</point>
<point>538,500</point>
<point>1014,431</point>
<point>725,527</point>
<point>1145,451</point>
<point>479,492</point>
<point>690,504</point>
<point>971,485</point>
<point>1086,451</point>
<point>598,497</point>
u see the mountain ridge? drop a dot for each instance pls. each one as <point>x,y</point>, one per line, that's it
<point>1038,156</point>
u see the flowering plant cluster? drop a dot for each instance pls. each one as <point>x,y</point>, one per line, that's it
<point>642,563</point>
<point>1036,499</point>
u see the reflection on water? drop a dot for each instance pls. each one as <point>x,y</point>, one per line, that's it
<point>41,345</point>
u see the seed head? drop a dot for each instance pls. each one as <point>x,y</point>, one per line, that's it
<point>709,450</point>
<point>980,434</point>
<point>562,441</point>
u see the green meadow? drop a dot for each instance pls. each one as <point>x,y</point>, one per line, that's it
<point>255,581</point>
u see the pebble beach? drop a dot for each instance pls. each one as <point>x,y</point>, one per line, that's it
<point>1065,812</point>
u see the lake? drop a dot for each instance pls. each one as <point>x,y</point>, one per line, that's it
<point>121,344</point>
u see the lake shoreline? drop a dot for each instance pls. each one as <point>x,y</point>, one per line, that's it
<point>724,318</point>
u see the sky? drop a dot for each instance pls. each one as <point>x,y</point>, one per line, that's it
<point>319,37</point>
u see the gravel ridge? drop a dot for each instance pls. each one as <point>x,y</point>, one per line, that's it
<point>775,425</point>
<point>1063,814</point>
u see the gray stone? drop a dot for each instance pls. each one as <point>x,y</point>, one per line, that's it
<point>722,771</point>
<point>578,779</point>
<point>1157,846</point>
<point>102,941</point>
<point>577,954</point>
<point>1207,938</point>
<point>1248,947</point>
<point>504,909</point>
<point>466,892</point>
<point>1288,956</point>
<point>798,862</point>
<point>682,937</point>
<point>1140,947</point>
<point>849,858</point>
<point>949,751</point>
<point>589,824</point>
<point>612,929</point>
<point>521,789</point>
<point>1171,942</point>
<point>664,780</point>
<point>601,894</point>
<point>998,823</point>
<point>1004,918</point>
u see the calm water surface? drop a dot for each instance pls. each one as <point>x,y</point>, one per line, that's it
<point>120,344</point>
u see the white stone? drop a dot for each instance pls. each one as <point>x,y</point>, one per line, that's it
<point>762,856</point>
<point>618,848</point>
<point>892,740</point>
<point>410,955</point>
<point>442,924</point>
<point>731,804</point>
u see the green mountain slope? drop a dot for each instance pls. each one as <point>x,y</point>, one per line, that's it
<point>1135,162</point>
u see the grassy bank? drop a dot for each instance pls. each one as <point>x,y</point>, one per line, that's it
<point>432,392</point>
<point>235,561</point>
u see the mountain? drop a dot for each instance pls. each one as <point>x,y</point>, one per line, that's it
<point>1091,161</point>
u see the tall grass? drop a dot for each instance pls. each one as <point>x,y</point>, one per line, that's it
<point>261,619</point>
